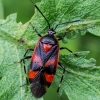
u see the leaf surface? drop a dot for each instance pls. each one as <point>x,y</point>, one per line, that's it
<point>81,80</point>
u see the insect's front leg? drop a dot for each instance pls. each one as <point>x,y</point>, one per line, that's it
<point>35,30</point>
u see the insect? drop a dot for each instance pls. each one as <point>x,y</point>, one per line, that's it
<point>44,60</point>
<point>21,40</point>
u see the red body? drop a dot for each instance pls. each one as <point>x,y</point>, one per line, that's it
<point>43,64</point>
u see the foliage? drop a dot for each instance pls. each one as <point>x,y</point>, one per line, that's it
<point>81,80</point>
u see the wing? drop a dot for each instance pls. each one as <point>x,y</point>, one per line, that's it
<point>46,59</point>
<point>38,85</point>
<point>45,56</point>
<point>40,57</point>
<point>51,66</point>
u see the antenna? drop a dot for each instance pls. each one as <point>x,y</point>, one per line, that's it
<point>41,13</point>
<point>66,23</point>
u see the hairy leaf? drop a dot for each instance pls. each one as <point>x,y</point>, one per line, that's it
<point>81,80</point>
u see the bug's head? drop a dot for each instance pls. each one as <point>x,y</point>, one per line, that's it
<point>51,31</point>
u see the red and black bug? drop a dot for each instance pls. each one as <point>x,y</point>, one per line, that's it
<point>44,60</point>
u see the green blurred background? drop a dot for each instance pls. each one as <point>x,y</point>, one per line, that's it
<point>25,10</point>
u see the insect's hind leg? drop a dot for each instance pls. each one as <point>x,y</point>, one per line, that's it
<point>23,61</point>
<point>61,77</point>
<point>26,57</point>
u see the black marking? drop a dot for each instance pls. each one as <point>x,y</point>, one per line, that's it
<point>49,39</point>
<point>50,69</point>
<point>35,66</point>
<point>38,85</point>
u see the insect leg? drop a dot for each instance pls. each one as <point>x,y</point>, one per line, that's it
<point>62,76</point>
<point>35,30</point>
<point>26,57</point>
<point>30,49</point>
<point>62,36</point>
<point>68,50</point>
<point>23,60</point>
<point>66,29</point>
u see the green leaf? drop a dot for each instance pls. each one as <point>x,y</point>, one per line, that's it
<point>78,9</point>
<point>81,80</point>
<point>11,51</point>
<point>66,11</point>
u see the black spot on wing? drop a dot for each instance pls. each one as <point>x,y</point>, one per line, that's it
<point>50,69</point>
<point>35,66</point>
